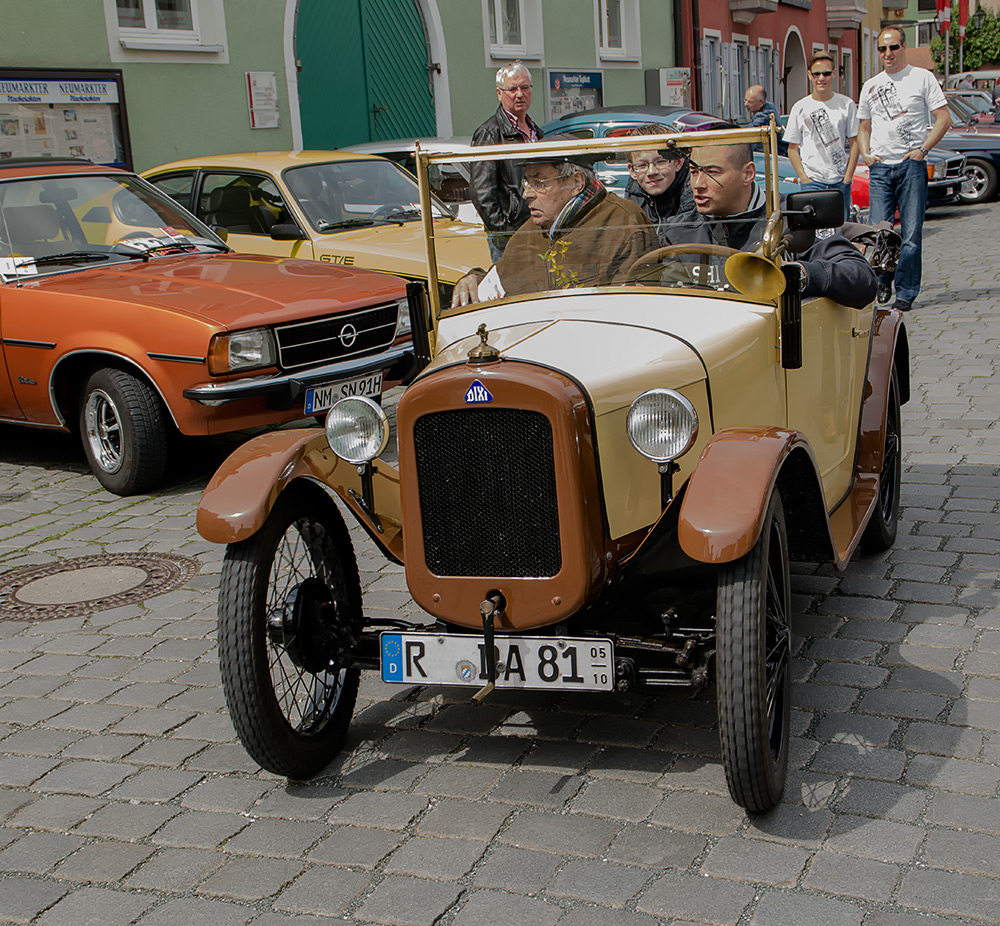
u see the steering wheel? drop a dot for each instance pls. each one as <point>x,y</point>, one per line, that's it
<point>647,266</point>
<point>388,211</point>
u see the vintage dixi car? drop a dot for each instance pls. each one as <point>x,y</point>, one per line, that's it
<point>601,480</point>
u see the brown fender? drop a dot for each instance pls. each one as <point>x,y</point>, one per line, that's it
<point>239,497</point>
<point>726,497</point>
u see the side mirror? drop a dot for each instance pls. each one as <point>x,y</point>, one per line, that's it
<point>809,211</point>
<point>286,233</point>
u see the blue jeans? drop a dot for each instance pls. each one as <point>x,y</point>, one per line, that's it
<point>844,188</point>
<point>497,241</point>
<point>901,186</point>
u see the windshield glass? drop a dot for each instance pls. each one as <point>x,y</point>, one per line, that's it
<point>351,194</point>
<point>667,216</point>
<point>49,223</point>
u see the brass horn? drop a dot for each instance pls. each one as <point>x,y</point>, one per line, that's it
<point>756,275</point>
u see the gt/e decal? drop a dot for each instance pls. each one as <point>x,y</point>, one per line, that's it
<point>337,259</point>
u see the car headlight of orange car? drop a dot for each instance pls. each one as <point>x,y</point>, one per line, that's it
<point>403,325</point>
<point>238,351</point>
<point>662,425</point>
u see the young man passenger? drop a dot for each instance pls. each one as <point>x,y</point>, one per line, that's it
<point>658,180</point>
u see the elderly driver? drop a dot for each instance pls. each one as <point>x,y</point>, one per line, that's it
<point>577,234</point>
<point>730,210</point>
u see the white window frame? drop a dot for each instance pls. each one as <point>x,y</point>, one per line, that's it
<point>131,44</point>
<point>767,80</point>
<point>847,72</point>
<point>741,53</point>
<point>711,73</point>
<point>152,34</point>
<point>630,51</point>
<point>532,44</point>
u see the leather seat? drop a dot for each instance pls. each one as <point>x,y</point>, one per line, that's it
<point>229,207</point>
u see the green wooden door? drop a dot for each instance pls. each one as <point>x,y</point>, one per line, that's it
<point>363,72</point>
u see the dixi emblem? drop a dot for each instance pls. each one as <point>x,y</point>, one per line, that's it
<point>348,335</point>
<point>477,394</point>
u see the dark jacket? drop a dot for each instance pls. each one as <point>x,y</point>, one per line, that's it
<point>675,198</point>
<point>834,267</point>
<point>495,186</point>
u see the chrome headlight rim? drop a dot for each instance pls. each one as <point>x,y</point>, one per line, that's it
<point>685,406</point>
<point>339,435</point>
<point>226,355</point>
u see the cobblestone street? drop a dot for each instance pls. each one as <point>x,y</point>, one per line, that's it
<point>125,797</point>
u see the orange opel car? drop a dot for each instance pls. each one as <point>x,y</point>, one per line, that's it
<point>125,318</point>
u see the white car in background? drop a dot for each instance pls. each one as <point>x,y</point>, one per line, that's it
<point>450,182</point>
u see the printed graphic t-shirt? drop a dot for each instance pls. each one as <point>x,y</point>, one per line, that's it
<point>899,106</point>
<point>821,129</point>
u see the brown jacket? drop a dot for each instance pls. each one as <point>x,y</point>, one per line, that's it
<point>602,240</point>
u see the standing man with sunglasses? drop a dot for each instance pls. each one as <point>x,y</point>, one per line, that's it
<point>496,185</point>
<point>822,134</point>
<point>895,109</point>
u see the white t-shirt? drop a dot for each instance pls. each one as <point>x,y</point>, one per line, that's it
<point>899,106</point>
<point>821,129</point>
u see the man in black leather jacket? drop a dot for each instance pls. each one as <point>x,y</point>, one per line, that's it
<point>495,186</point>
<point>730,210</point>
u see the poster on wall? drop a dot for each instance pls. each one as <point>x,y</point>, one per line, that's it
<point>574,92</point>
<point>69,117</point>
<point>262,100</point>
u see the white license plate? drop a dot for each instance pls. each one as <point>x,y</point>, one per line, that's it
<point>585,664</point>
<point>320,398</point>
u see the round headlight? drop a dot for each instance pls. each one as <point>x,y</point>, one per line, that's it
<point>357,429</point>
<point>662,425</point>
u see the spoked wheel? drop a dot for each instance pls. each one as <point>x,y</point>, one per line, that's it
<point>289,608</point>
<point>880,533</point>
<point>753,680</point>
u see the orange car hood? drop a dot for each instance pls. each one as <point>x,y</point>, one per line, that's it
<point>233,290</point>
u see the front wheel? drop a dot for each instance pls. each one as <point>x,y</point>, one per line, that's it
<point>289,608</point>
<point>123,426</point>
<point>753,681</point>
<point>980,181</point>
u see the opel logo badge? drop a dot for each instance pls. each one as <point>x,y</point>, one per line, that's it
<point>348,335</point>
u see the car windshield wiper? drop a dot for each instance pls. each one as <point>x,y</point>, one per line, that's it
<point>346,223</point>
<point>82,256</point>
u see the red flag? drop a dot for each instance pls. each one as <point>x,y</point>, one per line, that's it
<point>963,18</point>
<point>944,15</point>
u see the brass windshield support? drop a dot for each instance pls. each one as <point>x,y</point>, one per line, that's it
<point>427,221</point>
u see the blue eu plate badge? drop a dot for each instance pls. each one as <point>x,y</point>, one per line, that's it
<point>477,394</point>
<point>392,657</point>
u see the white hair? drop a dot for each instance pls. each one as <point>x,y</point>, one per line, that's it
<point>509,70</point>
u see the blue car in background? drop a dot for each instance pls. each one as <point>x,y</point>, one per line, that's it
<point>612,121</point>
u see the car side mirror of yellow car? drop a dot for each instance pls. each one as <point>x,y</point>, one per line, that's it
<point>286,233</point>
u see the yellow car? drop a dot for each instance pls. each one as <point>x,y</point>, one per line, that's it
<point>329,206</point>
<point>616,444</point>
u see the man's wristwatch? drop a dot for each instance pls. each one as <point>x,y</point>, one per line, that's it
<point>926,151</point>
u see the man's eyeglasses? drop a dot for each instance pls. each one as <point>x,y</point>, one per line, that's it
<point>524,88</point>
<point>539,186</point>
<point>821,73</point>
<point>644,167</point>
<point>882,49</point>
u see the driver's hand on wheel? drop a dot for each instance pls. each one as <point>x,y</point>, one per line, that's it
<point>467,288</point>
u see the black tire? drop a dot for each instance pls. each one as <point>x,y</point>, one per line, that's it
<point>980,184</point>
<point>289,607</point>
<point>753,673</point>
<point>880,532</point>
<point>124,428</point>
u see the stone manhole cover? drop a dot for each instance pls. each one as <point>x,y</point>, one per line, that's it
<point>91,583</point>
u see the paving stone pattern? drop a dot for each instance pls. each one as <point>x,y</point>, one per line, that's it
<point>124,797</point>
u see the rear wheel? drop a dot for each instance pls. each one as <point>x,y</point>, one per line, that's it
<point>124,429</point>
<point>289,607</point>
<point>980,183</point>
<point>880,533</point>
<point>753,679</point>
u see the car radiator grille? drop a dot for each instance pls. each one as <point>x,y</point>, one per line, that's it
<point>954,168</point>
<point>487,488</point>
<point>336,337</point>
